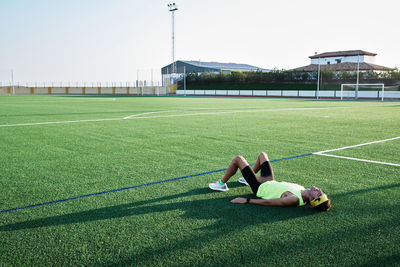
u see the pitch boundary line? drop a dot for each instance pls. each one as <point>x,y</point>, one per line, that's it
<point>324,153</point>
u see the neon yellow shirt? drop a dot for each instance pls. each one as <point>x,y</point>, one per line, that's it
<point>274,189</point>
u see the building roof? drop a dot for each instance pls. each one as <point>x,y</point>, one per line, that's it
<point>347,53</point>
<point>223,66</point>
<point>346,66</point>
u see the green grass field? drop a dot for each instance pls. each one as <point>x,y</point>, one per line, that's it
<point>59,147</point>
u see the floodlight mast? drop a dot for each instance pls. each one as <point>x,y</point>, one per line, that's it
<point>12,81</point>
<point>319,70</point>
<point>172,8</point>
<point>358,75</point>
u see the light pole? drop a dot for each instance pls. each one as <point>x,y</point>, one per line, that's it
<point>319,69</point>
<point>184,80</point>
<point>358,75</point>
<point>12,81</point>
<point>172,8</point>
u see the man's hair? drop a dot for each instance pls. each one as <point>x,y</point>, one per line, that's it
<point>325,206</point>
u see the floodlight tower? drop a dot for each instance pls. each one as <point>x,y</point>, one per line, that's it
<point>12,81</point>
<point>172,8</point>
<point>319,70</point>
<point>358,75</point>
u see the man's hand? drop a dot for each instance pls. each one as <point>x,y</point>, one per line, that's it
<point>241,200</point>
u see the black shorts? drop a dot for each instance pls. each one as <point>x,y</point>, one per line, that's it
<point>250,176</point>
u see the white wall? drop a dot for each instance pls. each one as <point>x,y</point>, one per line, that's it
<point>292,93</point>
<point>369,59</point>
<point>332,60</point>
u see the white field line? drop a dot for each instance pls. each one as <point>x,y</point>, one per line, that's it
<point>364,144</point>
<point>56,122</point>
<point>364,160</point>
<point>166,116</point>
<point>228,112</point>
<point>163,111</point>
<point>146,113</point>
<point>323,153</point>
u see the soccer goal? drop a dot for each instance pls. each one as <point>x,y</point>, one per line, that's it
<point>350,91</point>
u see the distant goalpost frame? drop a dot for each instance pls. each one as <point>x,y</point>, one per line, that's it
<point>356,87</point>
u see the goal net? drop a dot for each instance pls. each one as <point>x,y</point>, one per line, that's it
<point>362,91</point>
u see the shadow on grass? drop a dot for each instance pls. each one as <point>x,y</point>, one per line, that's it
<point>239,217</point>
<point>227,218</point>
<point>363,191</point>
<point>213,208</point>
<point>389,260</point>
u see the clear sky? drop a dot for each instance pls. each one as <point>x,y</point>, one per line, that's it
<point>103,40</point>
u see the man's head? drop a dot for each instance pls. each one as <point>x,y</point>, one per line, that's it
<point>318,199</point>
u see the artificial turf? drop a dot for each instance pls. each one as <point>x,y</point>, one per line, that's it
<point>182,222</point>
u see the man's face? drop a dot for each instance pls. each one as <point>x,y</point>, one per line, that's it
<point>315,192</point>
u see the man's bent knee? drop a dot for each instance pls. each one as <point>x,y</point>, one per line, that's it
<point>263,155</point>
<point>237,158</point>
<point>240,161</point>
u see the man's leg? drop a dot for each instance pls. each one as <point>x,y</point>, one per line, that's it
<point>238,162</point>
<point>261,157</point>
<point>263,164</point>
<point>248,174</point>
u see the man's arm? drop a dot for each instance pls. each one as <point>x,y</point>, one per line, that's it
<point>285,201</point>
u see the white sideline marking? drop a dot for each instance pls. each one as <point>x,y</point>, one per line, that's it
<point>164,116</point>
<point>364,144</point>
<point>364,160</point>
<point>56,122</point>
<point>323,153</point>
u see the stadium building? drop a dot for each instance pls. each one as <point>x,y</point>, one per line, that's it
<point>344,61</point>
<point>200,67</point>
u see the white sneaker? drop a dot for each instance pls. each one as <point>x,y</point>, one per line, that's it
<point>218,187</point>
<point>243,181</point>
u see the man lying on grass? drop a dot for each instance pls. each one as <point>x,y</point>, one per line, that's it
<point>271,192</point>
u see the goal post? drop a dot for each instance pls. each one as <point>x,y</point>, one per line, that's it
<point>362,90</point>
